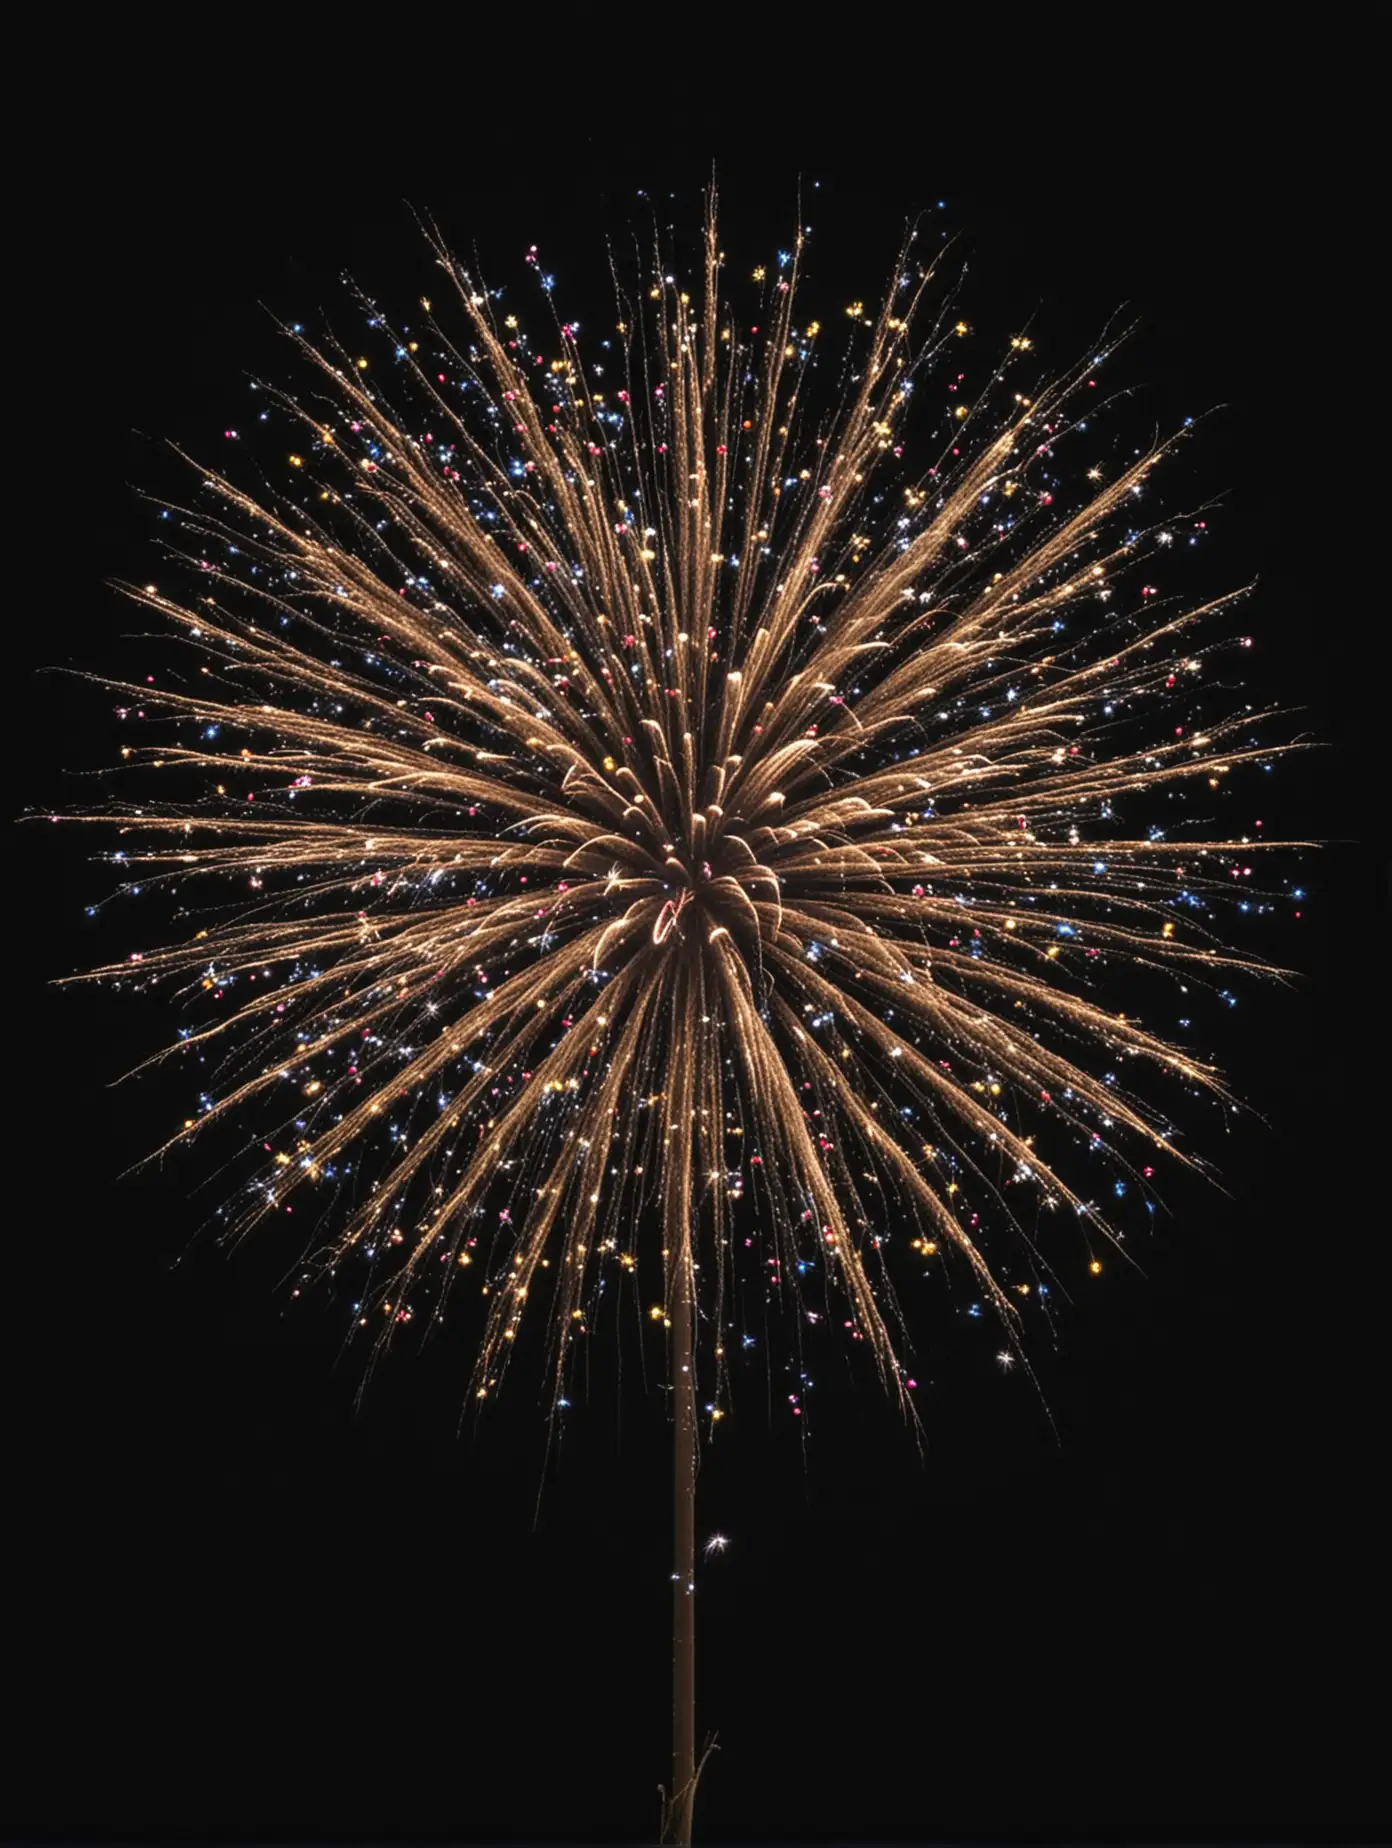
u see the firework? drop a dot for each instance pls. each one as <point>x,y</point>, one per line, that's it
<point>662,805</point>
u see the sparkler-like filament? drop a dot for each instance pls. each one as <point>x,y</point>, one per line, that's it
<point>647,806</point>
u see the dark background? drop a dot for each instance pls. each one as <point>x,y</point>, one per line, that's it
<point>246,1607</point>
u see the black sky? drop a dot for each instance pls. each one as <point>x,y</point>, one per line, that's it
<point>247,1607</point>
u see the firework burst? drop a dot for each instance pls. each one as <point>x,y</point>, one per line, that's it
<point>635,817</point>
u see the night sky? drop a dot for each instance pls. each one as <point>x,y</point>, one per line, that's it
<point>249,1607</point>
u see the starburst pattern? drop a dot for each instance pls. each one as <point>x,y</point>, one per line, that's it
<point>642,812</point>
